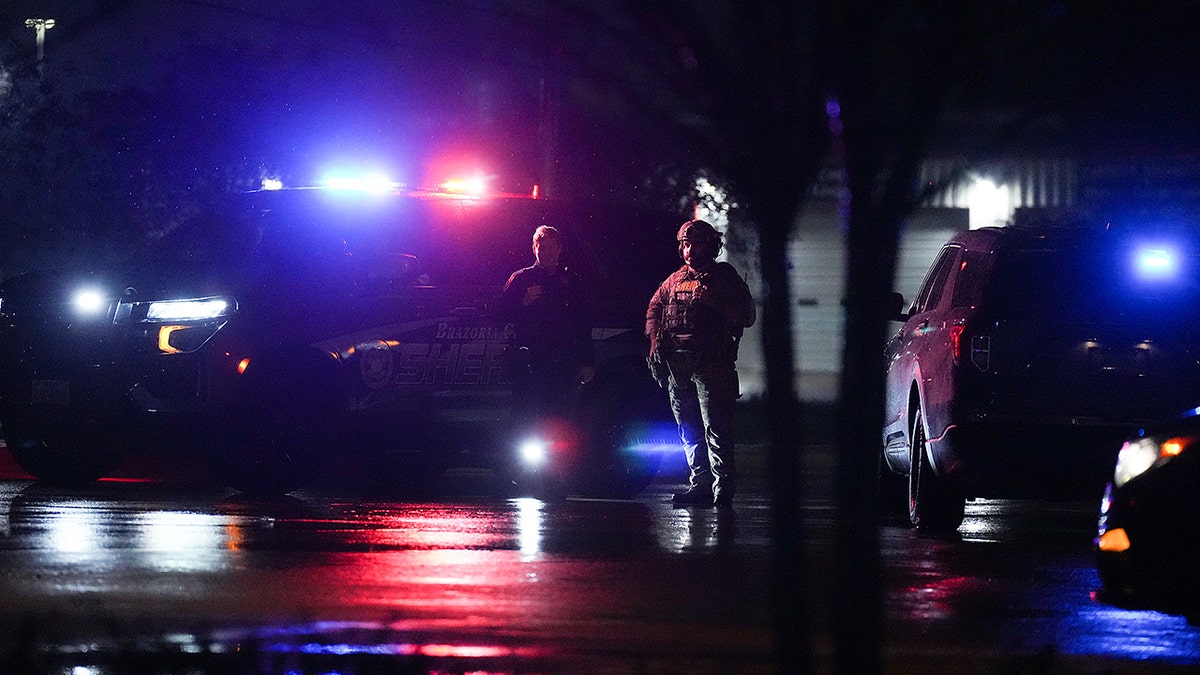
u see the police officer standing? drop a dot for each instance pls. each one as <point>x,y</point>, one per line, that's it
<point>552,341</point>
<point>694,322</point>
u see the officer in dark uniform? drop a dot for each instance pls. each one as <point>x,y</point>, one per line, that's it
<point>551,352</point>
<point>694,322</point>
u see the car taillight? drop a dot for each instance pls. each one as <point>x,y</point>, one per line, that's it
<point>980,348</point>
<point>956,342</point>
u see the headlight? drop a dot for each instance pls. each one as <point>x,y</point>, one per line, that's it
<point>183,325</point>
<point>89,302</point>
<point>1136,457</point>
<point>199,309</point>
<point>534,452</point>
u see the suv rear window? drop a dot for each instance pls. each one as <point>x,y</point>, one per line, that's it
<point>972,274</point>
<point>1090,283</point>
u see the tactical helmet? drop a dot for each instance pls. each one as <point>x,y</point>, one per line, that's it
<point>699,230</point>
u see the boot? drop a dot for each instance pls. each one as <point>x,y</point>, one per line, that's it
<point>693,496</point>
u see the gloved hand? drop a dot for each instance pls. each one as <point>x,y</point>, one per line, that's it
<point>658,369</point>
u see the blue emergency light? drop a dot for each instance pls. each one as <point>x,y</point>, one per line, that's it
<point>1156,262</point>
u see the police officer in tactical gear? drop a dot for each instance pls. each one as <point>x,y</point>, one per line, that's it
<point>694,322</point>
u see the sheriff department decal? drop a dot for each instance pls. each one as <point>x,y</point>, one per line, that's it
<point>448,331</point>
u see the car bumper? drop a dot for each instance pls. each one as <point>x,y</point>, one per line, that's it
<point>133,401</point>
<point>1027,456</point>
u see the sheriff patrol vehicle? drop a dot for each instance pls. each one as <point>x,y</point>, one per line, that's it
<point>281,331</point>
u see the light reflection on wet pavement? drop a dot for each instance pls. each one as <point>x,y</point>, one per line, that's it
<point>480,577</point>
<point>475,581</point>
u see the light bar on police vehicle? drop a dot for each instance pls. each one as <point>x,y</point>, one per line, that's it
<point>371,183</point>
<point>476,185</point>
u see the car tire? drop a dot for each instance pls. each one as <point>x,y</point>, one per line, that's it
<point>401,474</point>
<point>934,503</point>
<point>268,453</point>
<point>623,472</point>
<point>621,423</point>
<point>546,487</point>
<point>281,428</point>
<point>63,455</point>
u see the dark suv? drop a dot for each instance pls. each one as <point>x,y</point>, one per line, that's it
<point>280,331</point>
<point>1029,354</point>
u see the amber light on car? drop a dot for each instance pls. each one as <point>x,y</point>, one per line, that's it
<point>1174,446</point>
<point>1115,540</point>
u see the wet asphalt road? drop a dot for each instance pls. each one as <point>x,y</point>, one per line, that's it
<point>167,577</point>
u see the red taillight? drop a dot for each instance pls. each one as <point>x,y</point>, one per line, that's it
<point>980,346</point>
<point>956,342</point>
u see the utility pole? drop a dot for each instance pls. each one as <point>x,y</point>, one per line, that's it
<point>40,26</point>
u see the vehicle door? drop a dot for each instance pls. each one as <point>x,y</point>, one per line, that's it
<point>917,352</point>
<point>433,362</point>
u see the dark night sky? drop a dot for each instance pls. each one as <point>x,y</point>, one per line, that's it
<point>299,85</point>
<point>304,81</point>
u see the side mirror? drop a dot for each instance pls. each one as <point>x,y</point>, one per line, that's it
<point>896,310</point>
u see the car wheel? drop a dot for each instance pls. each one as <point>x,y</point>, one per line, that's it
<point>62,455</point>
<point>933,502</point>
<point>268,453</point>
<point>401,474</point>
<point>623,469</point>
<point>622,459</point>
<point>282,426</point>
<point>547,487</point>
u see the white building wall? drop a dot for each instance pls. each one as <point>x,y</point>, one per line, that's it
<point>816,256</point>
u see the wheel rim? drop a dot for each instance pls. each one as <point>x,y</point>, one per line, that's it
<point>916,454</point>
<point>933,502</point>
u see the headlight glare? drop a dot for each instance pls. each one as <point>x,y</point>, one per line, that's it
<point>199,309</point>
<point>534,452</point>
<point>1134,459</point>
<point>89,302</point>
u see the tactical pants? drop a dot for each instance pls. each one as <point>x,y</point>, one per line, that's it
<point>703,399</point>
